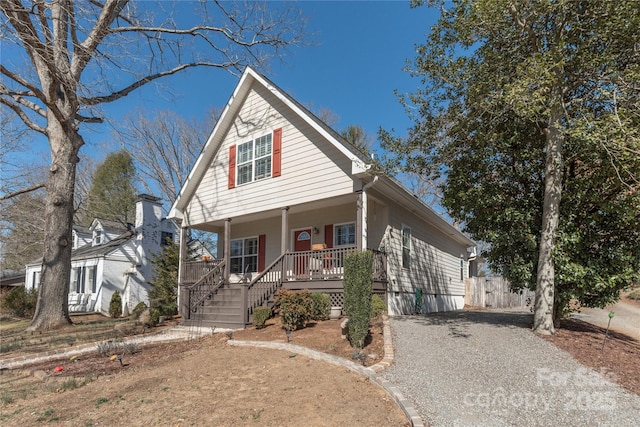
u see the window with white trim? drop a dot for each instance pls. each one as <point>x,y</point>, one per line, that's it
<point>244,255</point>
<point>254,160</point>
<point>83,279</point>
<point>97,237</point>
<point>406,247</point>
<point>344,234</point>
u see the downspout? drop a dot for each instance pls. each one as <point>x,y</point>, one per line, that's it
<point>365,225</point>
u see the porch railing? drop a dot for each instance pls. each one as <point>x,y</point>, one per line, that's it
<point>211,279</point>
<point>201,279</point>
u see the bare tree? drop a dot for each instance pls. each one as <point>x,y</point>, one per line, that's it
<point>164,147</point>
<point>76,56</point>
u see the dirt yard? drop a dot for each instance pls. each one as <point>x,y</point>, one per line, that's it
<point>206,382</point>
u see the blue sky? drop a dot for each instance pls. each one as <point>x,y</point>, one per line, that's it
<point>353,67</point>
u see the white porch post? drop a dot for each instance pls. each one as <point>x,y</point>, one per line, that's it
<point>359,221</point>
<point>284,234</point>
<point>227,249</point>
<point>181,267</point>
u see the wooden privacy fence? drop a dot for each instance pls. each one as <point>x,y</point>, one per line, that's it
<point>494,292</point>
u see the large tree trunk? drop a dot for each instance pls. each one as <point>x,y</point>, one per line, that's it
<point>543,314</point>
<point>52,309</point>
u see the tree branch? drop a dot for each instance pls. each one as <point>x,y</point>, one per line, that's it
<point>35,91</point>
<point>23,191</point>
<point>147,79</point>
<point>23,116</point>
<point>84,51</point>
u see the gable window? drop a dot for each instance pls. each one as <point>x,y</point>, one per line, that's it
<point>406,247</point>
<point>97,237</point>
<point>254,160</point>
<point>344,234</point>
<point>244,255</point>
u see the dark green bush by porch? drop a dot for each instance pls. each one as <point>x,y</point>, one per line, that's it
<point>260,316</point>
<point>358,289</point>
<point>321,306</point>
<point>115,305</point>
<point>294,307</point>
<point>20,302</point>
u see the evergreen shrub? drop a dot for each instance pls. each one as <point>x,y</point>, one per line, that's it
<point>115,305</point>
<point>294,307</point>
<point>20,302</point>
<point>358,289</point>
<point>260,316</point>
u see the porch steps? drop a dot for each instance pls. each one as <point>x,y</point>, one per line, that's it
<point>223,310</point>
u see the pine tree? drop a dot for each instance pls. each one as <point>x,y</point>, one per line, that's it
<point>163,295</point>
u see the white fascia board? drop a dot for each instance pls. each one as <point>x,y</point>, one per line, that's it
<point>207,153</point>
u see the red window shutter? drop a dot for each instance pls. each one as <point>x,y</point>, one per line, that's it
<point>262,240</point>
<point>277,152</point>
<point>328,235</point>
<point>232,166</point>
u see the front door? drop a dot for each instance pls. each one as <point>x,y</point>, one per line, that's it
<point>301,243</point>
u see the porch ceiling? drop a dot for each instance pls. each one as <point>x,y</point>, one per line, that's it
<point>273,213</point>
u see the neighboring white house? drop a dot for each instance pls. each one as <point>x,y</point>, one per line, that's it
<point>110,256</point>
<point>273,179</point>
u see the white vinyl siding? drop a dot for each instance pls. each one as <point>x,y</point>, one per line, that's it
<point>435,259</point>
<point>312,168</point>
<point>406,247</point>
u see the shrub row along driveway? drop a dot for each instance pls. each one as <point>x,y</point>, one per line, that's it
<point>486,368</point>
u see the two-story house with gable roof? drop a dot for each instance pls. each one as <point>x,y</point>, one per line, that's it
<point>289,198</point>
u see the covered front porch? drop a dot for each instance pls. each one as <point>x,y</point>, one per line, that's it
<point>208,300</point>
<point>304,248</point>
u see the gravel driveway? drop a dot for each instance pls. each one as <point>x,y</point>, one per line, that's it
<point>486,368</point>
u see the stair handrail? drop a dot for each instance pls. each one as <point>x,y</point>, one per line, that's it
<point>217,270</point>
<point>266,270</point>
<point>259,296</point>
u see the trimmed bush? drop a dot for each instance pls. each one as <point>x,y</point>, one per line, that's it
<point>378,307</point>
<point>358,289</point>
<point>294,307</point>
<point>260,316</point>
<point>321,306</point>
<point>115,305</point>
<point>20,302</point>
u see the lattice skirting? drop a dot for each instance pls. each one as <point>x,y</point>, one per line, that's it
<point>337,298</point>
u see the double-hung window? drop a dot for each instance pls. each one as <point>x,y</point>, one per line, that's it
<point>406,247</point>
<point>244,255</point>
<point>344,234</point>
<point>254,160</point>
